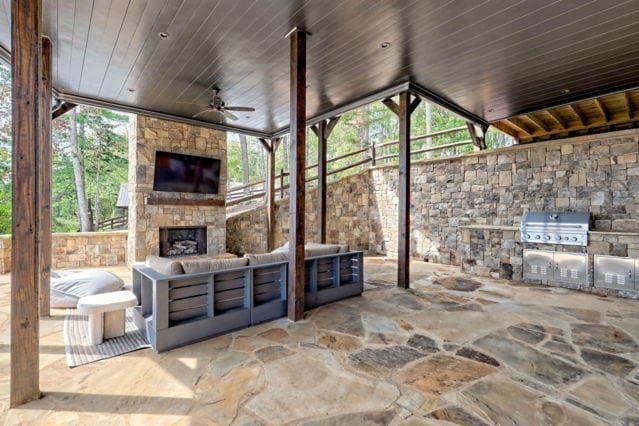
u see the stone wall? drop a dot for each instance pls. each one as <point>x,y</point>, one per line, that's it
<point>146,135</point>
<point>597,173</point>
<point>347,219</point>
<point>77,250</point>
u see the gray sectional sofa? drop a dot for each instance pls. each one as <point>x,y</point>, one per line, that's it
<point>183,300</point>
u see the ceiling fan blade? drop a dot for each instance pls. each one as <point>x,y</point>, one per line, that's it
<point>228,114</point>
<point>193,103</point>
<point>238,108</point>
<point>203,112</point>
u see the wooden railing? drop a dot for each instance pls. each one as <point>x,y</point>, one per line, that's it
<point>236,195</point>
<point>114,223</point>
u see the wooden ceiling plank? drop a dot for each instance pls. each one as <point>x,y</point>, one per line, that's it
<point>557,119</point>
<point>537,122</point>
<point>628,105</point>
<point>602,110</point>
<point>583,121</point>
<point>520,127</point>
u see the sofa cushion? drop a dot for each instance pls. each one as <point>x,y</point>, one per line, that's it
<point>164,265</point>
<point>260,259</point>
<point>191,266</point>
<point>317,249</point>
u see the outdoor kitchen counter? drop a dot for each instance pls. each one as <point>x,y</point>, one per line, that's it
<point>516,228</point>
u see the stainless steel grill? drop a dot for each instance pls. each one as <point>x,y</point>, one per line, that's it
<point>565,228</point>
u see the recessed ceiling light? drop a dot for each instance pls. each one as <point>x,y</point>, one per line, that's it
<point>490,110</point>
<point>163,34</point>
<point>385,44</point>
<point>131,89</point>
<point>565,91</point>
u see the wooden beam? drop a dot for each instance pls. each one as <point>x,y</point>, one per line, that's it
<point>583,121</point>
<point>403,230</point>
<point>324,129</point>
<point>628,105</point>
<point>392,105</point>
<point>473,135</point>
<point>518,126</point>
<point>537,122</point>
<point>602,109</point>
<point>62,109</point>
<point>557,119</point>
<point>26,88</point>
<point>159,201</point>
<point>297,169</point>
<point>414,104</point>
<point>271,148</point>
<point>44,181</point>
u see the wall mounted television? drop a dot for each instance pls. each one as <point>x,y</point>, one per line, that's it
<point>186,173</point>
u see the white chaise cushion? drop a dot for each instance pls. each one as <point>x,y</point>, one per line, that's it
<point>69,288</point>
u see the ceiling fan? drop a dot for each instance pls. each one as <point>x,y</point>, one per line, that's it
<point>216,104</point>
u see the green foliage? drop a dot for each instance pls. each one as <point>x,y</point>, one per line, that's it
<point>103,145</point>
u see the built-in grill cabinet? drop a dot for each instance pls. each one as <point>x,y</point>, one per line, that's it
<point>616,272</point>
<point>556,267</point>
<point>564,228</point>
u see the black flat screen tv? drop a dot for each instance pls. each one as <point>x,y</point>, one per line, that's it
<point>186,173</point>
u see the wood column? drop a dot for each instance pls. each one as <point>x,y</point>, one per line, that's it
<point>297,169</point>
<point>271,149</point>
<point>404,110</point>
<point>44,181</point>
<point>26,103</point>
<point>323,130</point>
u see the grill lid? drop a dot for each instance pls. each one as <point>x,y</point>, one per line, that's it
<point>569,228</point>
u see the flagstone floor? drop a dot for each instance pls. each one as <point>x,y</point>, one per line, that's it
<point>454,348</point>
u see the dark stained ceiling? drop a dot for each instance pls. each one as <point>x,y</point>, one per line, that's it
<point>494,59</point>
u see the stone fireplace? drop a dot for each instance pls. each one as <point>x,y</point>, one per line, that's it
<point>182,241</point>
<point>152,211</point>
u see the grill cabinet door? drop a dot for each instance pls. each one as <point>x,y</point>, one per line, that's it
<point>538,265</point>
<point>571,268</point>
<point>615,272</point>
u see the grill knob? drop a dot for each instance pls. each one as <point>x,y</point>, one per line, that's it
<point>558,237</point>
<point>526,236</point>
<point>547,237</point>
<point>537,237</point>
<point>574,238</point>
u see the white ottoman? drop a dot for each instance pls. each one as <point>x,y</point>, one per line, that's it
<point>106,314</point>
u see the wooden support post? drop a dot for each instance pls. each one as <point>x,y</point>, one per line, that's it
<point>297,178</point>
<point>403,110</point>
<point>323,131</point>
<point>26,88</point>
<point>271,149</point>
<point>478,136</point>
<point>44,182</point>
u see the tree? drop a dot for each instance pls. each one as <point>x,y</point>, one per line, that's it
<point>78,171</point>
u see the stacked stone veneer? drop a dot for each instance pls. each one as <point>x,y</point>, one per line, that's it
<point>597,173</point>
<point>77,250</point>
<point>146,135</point>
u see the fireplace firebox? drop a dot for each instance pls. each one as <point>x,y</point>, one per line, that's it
<point>182,241</point>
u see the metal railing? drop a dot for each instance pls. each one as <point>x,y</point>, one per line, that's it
<point>236,195</point>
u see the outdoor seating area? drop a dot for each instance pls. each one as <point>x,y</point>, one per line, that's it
<point>322,213</point>
<point>524,354</point>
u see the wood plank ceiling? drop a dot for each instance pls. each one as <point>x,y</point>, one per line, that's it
<point>599,114</point>
<point>495,59</point>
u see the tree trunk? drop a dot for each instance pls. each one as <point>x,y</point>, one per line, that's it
<point>245,164</point>
<point>78,174</point>
<point>429,127</point>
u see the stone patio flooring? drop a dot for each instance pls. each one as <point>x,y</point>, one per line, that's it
<point>454,348</point>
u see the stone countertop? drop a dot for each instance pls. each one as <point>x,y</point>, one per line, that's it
<point>516,228</point>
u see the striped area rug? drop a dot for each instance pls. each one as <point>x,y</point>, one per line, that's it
<point>76,341</point>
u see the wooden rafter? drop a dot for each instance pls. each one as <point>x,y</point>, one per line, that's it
<point>602,109</point>
<point>583,121</point>
<point>518,126</point>
<point>392,105</point>
<point>557,119</point>
<point>537,122</point>
<point>628,105</point>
